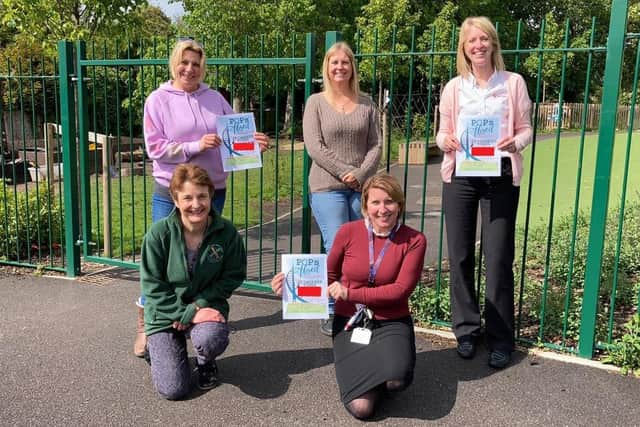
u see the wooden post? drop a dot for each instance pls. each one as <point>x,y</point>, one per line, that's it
<point>106,192</point>
<point>237,104</point>
<point>50,131</point>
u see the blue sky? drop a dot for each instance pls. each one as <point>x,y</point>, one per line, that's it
<point>172,10</point>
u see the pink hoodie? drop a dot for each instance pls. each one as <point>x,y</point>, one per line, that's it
<point>174,122</point>
<point>519,122</point>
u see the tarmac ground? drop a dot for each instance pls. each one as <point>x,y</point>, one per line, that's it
<point>66,360</point>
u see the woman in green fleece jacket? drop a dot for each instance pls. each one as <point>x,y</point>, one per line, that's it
<point>191,262</point>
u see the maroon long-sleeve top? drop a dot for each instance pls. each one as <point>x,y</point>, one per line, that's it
<point>396,277</point>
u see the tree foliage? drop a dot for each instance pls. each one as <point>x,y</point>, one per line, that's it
<point>46,22</point>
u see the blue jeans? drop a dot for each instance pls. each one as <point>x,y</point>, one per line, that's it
<point>331,209</point>
<point>170,370</point>
<point>161,207</point>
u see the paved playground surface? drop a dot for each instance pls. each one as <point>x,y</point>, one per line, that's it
<point>65,358</point>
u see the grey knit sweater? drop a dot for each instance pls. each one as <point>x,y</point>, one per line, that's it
<point>340,143</point>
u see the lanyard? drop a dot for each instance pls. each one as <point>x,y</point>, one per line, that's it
<point>374,266</point>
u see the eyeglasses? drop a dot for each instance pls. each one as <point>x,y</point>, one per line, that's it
<point>190,39</point>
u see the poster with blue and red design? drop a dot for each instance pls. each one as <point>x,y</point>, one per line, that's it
<point>304,292</point>
<point>239,149</point>
<point>478,136</point>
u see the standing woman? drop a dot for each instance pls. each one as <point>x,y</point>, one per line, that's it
<point>180,127</point>
<point>341,131</point>
<point>482,88</point>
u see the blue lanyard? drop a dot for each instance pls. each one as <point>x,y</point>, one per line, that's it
<point>374,266</point>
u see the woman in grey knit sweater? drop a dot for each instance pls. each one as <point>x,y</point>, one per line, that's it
<point>341,131</point>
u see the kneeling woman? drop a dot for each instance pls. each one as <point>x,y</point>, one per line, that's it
<point>191,262</point>
<point>375,352</point>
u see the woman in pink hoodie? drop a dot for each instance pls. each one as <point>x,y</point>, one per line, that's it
<point>483,90</point>
<point>180,127</point>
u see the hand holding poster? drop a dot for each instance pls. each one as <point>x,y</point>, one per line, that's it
<point>304,293</point>
<point>478,136</point>
<point>239,148</point>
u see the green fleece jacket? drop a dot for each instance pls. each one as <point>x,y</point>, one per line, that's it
<point>171,295</point>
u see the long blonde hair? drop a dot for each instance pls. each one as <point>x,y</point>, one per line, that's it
<point>354,82</point>
<point>463,64</point>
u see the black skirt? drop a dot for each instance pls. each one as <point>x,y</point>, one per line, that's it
<point>391,355</point>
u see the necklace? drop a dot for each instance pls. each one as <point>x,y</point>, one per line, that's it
<point>343,105</point>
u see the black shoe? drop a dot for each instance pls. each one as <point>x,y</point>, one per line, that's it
<point>326,326</point>
<point>499,359</point>
<point>466,347</point>
<point>208,376</point>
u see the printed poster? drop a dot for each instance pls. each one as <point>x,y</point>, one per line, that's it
<point>478,136</point>
<point>239,149</point>
<point>304,293</point>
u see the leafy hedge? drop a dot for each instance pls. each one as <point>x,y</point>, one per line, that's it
<point>29,221</point>
<point>560,292</point>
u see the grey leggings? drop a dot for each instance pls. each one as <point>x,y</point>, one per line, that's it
<point>170,371</point>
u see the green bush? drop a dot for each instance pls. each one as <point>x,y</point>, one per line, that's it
<point>558,271</point>
<point>419,126</point>
<point>29,220</point>
<point>426,305</point>
<point>626,350</point>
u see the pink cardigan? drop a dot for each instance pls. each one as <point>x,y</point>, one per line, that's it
<point>519,122</point>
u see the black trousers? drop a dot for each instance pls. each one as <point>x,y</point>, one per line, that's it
<point>497,198</point>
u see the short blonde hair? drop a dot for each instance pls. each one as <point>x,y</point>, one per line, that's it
<point>463,64</point>
<point>354,82</point>
<point>386,183</point>
<point>176,56</point>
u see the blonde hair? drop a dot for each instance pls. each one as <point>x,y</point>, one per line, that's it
<point>354,82</point>
<point>463,64</point>
<point>176,56</point>
<point>386,183</point>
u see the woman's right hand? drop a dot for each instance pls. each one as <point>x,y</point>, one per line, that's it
<point>209,141</point>
<point>451,143</point>
<point>351,181</point>
<point>208,314</point>
<point>276,283</point>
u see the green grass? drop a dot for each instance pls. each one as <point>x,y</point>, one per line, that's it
<point>248,194</point>
<point>567,172</point>
<point>247,198</point>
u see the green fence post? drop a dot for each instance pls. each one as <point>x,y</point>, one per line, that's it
<point>309,68</point>
<point>607,133</point>
<point>69,157</point>
<point>83,147</point>
<point>331,38</point>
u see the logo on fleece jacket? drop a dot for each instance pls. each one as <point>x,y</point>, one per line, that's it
<point>215,253</point>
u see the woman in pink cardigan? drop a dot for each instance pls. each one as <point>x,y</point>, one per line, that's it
<point>483,89</point>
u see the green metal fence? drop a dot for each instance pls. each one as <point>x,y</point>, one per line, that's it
<point>578,220</point>
<point>264,204</point>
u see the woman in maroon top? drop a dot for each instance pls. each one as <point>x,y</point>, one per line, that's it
<point>373,341</point>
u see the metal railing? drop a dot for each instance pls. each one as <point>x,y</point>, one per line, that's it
<point>574,269</point>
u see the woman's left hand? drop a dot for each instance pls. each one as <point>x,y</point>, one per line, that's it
<point>337,291</point>
<point>507,144</point>
<point>263,140</point>
<point>180,326</point>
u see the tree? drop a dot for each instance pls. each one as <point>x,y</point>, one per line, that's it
<point>379,20</point>
<point>46,22</point>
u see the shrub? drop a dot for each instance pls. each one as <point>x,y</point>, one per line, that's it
<point>626,350</point>
<point>558,273</point>
<point>425,304</point>
<point>29,220</point>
